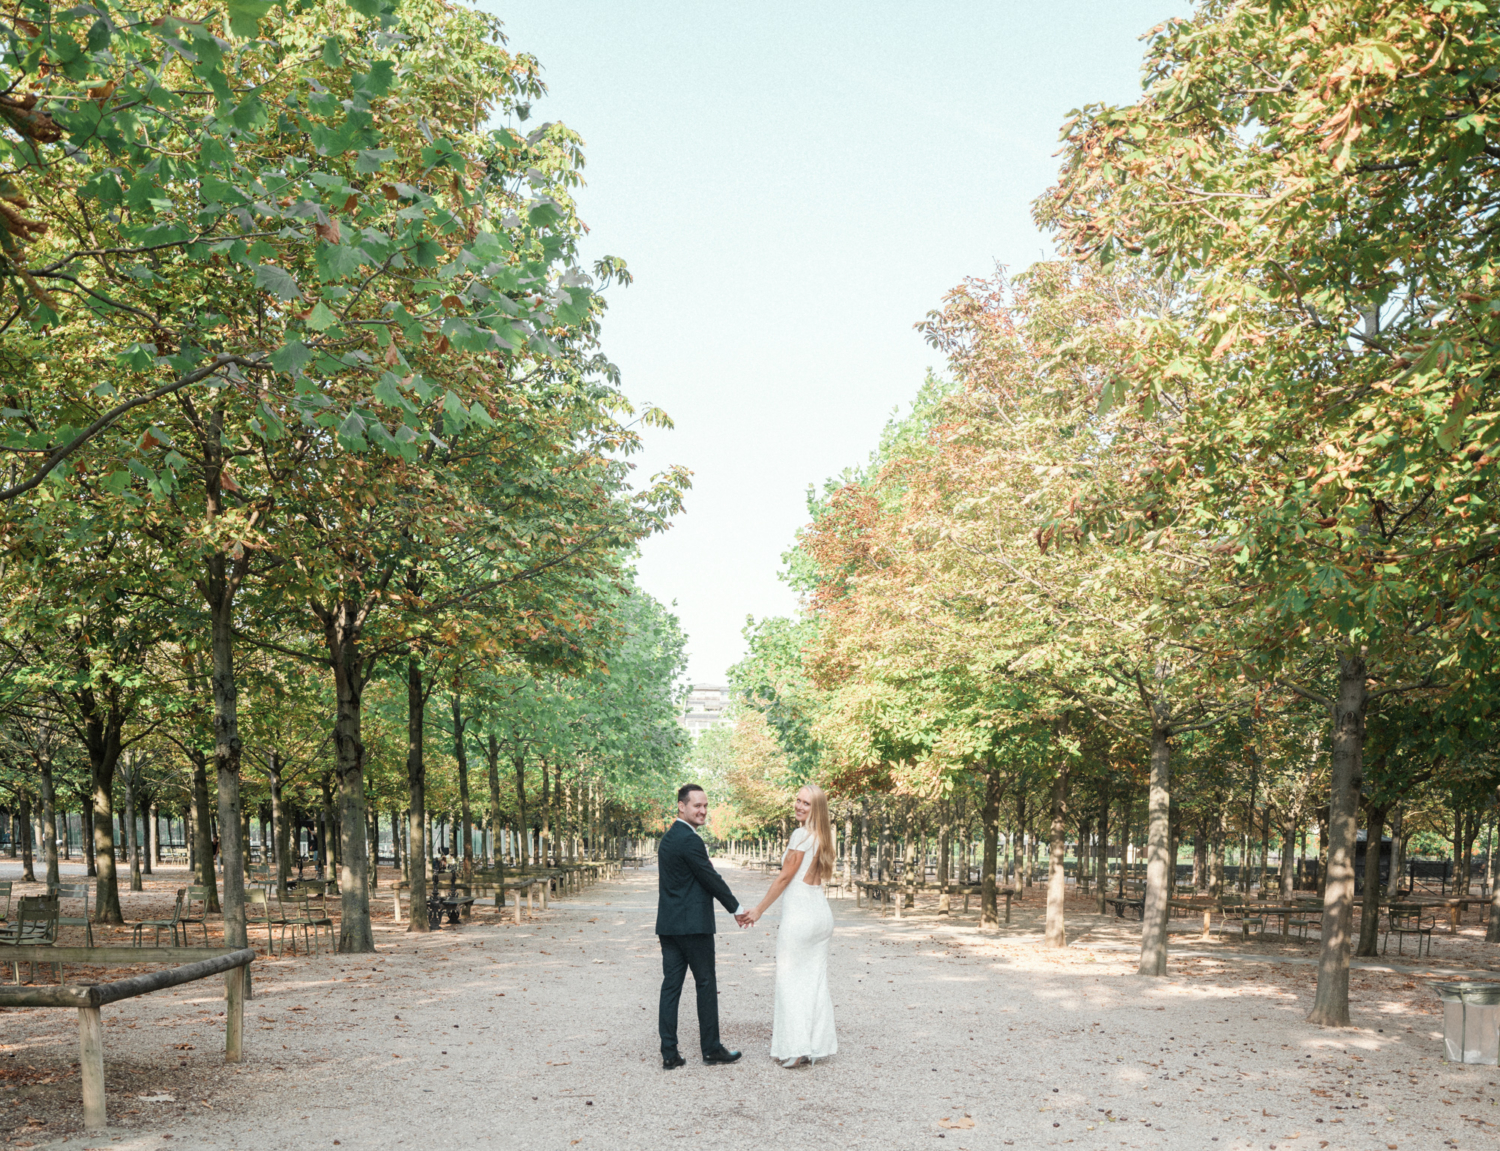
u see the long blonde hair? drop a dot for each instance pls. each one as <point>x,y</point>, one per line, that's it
<point>820,827</point>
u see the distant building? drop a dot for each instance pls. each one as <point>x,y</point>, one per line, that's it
<point>706,707</point>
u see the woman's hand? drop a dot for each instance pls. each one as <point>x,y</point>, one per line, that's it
<point>754,916</point>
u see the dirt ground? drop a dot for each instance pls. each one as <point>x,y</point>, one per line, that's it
<point>542,1036</point>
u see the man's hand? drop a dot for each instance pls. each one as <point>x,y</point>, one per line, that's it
<point>743,919</point>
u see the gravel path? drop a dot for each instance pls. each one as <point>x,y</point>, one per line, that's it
<point>542,1036</point>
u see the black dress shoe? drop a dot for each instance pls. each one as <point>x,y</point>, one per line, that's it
<point>672,1062</point>
<point>722,1055</point>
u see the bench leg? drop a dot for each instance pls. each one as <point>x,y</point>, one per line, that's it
<point>91,1066</point>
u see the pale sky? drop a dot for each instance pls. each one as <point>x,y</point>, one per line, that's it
<point>793,187</point>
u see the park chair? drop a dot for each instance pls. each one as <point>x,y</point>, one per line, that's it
<point>293,915</point>
<point>1403,920</point>
<point>258,912</point>
<point>317,916</point>
<point>5,885</point>
<point>1235,909</point>
<point>36,924</point>
<point>137,930</point>
<point>1300,922</point>
<point>77,891</point>
<point>195,910</point>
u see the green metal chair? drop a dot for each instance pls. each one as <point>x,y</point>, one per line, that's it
<point>35,925</point>
<point>294,916</point>
<point>1403,920</point>
<point>5,895</point>
<point>318,917</point>
<point>195,910</point>
<point>159,925</point>
<point>77,891</point>
<point>258,913</point>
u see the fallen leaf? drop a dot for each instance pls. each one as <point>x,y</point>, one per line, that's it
<point>962,1123</point>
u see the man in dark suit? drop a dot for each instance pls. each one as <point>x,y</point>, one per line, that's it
<point>687,887</point>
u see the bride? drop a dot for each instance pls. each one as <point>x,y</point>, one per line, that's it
<point>803,1026</point>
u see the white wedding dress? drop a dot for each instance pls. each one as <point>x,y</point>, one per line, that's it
<point>803,1024</point>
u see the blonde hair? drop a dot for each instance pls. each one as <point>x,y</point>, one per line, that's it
<point>820,827</point>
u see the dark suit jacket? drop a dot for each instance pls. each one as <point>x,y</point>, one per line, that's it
<point>687,884</point>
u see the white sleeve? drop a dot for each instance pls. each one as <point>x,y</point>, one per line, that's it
<point>799,840</point>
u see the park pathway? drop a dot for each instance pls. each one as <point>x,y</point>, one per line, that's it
<point>542,1036</point>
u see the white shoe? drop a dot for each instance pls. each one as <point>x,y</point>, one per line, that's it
<point>792,1062</point>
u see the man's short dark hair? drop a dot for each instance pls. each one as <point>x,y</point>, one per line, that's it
<point>686,790</point>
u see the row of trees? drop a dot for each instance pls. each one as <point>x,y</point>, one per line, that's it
<point>307,419</point>
<point>1205,513</point>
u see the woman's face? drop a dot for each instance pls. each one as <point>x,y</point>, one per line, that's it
<point>801,806</point>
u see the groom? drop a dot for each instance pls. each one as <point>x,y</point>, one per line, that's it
<point>687,886</point>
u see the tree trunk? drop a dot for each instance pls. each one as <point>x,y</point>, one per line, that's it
<point>342,632</point>
<point>945,835</point>
<point>203,848</point>
<point>220,590</point>
<point>1288,856</point>
<point>416,795</point>
<point>523,844</point>
<point>102,729</point>
<point>1101,852</point>
<point>461,757</point>
<point>544,831</point>
<point>1331,1004</point>
<point>86,827</point>
<point>1369,914</point>
<point>28,858</point>
<point>1056,934</point>
<point>49,820</point>
<point>1159,814</point>
<point>278,822</point>
<point>1265,849</point>
<point>132,839</point>
<point>1398,850</point>
<point>864,839</point>
<point>989,915</point>
<point>492,764</point>
<point>1492,932</point>
<point>849,844</point>
<point>153,836</point>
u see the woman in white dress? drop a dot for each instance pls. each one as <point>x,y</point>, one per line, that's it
<point>803,1026</point>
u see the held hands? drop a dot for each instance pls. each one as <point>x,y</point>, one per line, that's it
<point>747,918</point>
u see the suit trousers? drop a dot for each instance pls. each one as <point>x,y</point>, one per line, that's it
<point>678,953</point>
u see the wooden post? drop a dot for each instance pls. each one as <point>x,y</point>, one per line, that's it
<point>91,1066</point>
<point>234,1014</point>
<point>898,903</point>
<point>396,900</point>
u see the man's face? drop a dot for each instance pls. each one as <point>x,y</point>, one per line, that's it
<point>694,808</point>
